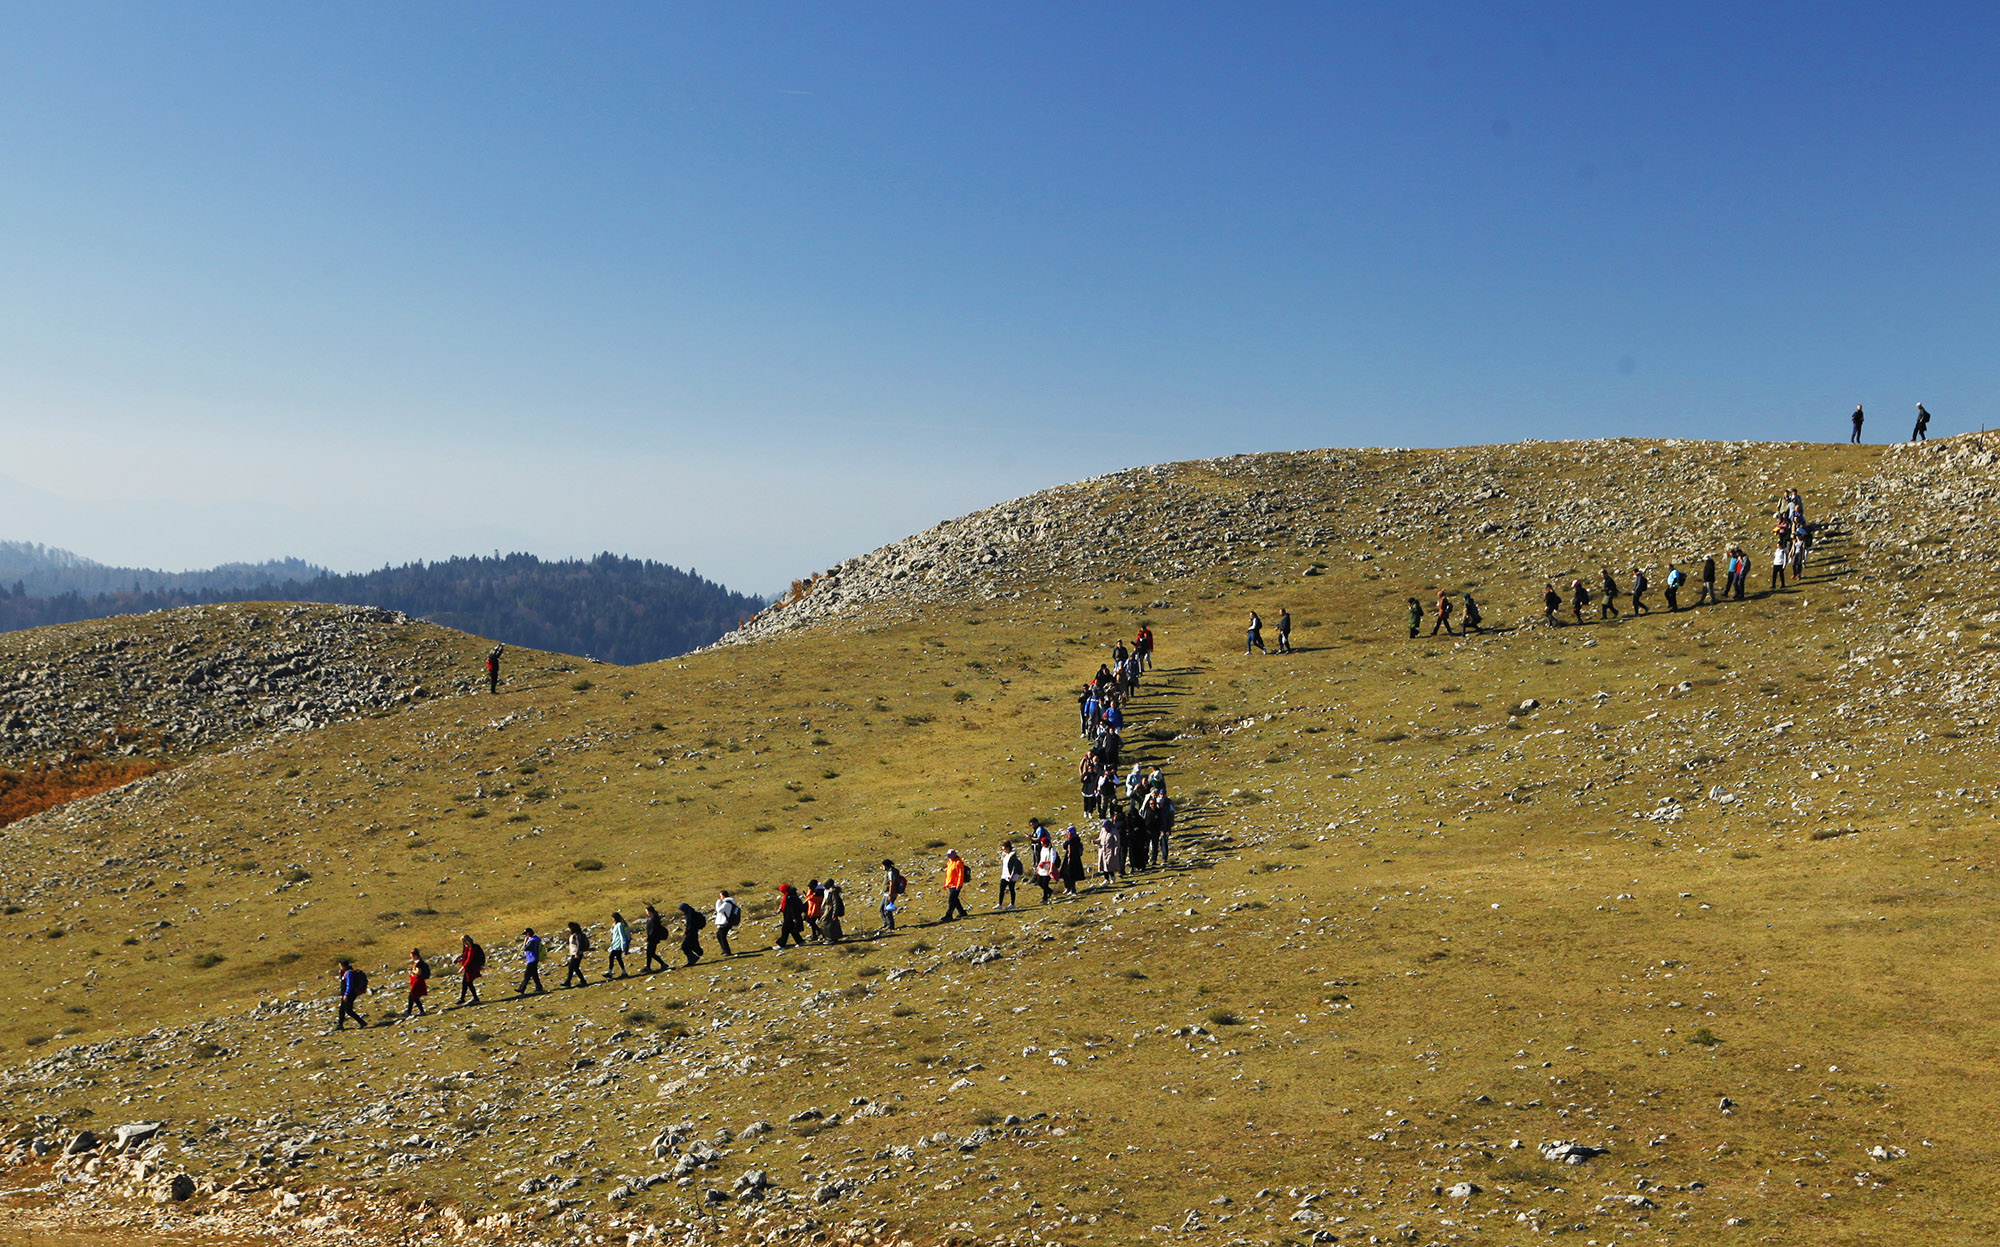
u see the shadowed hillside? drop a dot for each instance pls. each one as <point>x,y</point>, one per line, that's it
<point>1666,928</point>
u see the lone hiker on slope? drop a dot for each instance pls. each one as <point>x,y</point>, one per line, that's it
<point>493,668</point>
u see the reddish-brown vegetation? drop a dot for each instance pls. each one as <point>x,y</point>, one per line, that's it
<point>45,785</point>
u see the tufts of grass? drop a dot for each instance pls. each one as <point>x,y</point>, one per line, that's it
<point>587,863</point>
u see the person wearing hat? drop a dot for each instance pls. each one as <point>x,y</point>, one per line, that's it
<point>531,956</point>
<point>956,876</point>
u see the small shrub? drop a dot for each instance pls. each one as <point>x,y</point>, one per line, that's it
<point>934,844</point>
<point>961,696</point>
<point>478,1036</point>
<point>639,1017</point>
<point>917,720</point>
<point>208,961</point>
<point>581,686</point>
<point>1221,1015</point>
<point>987,1117</point>
<point>475,813</point>
<point>297,874</point>
<point>829,774</point>
<point>902,1011</point>
<point>1705,1037</point>
<point>292,773</point>
<point>588,863</point>
<point>207,1051</point>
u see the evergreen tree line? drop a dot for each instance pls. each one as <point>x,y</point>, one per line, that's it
<point>618,609</point>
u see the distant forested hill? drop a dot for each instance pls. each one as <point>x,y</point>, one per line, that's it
<point>45,571</point>
<point>618,609</point>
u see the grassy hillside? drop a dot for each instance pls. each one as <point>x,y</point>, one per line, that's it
<point>1717,903</point>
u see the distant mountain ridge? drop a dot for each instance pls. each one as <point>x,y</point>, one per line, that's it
<point>621,610</point>
<point>46,571</point>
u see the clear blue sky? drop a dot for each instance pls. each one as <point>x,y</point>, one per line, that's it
<point>752,288</point>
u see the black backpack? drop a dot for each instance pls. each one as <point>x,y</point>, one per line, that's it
<point>695,921</point>
<point>358,980</point>
<point>478,962</point>
<point>582,941</point>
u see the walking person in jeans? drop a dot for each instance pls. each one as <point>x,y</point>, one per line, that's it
<point>531,958</point>
<point>727,914</point>
<point>1255,636</point>
<point>471,964</point>
<point>656,935</point>
<point>956,876</point>
<point>1779,557</point>
<point>1707,597</point>
<point>893,887</point>
<point>352,983</point>
<point>621,941</point>
<point>1010,877</point>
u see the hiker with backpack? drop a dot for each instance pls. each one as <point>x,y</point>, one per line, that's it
<point>471,964</point>
<point>691,924</point>
<point>1010,877</point>
<point>1639,586</point>
<point>1608,608</point>
<point>1045,866</point>
<point>956,876</point>
<point>1707,597</point>
<point>1579,598</point>
<point>1416,618</point>
<point>420,984</point>
<point>1442,609</point>
<point>727,914</point>
<point>791,917</point>
<point>578,944</point>
<point>493,668</point>
<point>815,902</point>
<point>621,941</point>
<point>352,983</point>
<point>1284,632</point>
<point>1470,618</point>
<point>531,959</point>
<point>1551,603</point>
<point>1673,589</point>
<point>1255,636</point>
<point>656,934</point>
<point>893,887</point>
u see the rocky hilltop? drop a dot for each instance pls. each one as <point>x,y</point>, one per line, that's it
<point>176,681</point>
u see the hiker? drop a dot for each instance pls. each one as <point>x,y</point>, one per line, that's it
<point>1010,877</point>
<point>656,934</point>
<point>1073,860</point>
<point>1798,553</point>
<point>1443,609</point>
<point>691,924</point>
<point>1284,631</point>
<point>1108,861</point>
<point>1143,644</point>
<point>1639,586</point>
<point>1707,597</point>
<point>621,941</point>
<point>531,957</point>
<point>1921,432</point>
<point>1579,597</point>
<point>1551,603</point>
<point>1086,711</point>
<point>493,669</point>
<point>420,984</point>
<point>727,914</point>
<point>1856,437</point>
<point>1255,636</point>
<point>352,983</point>
<point>1674,579</point>
<point>814,903</point>
<point>1471,618</point>
<point>1045,867</point>
<point>1608,609</point>
<point>1742,570</point>
<point>833,908</point>
<point>1165,827</point>
<point>893,887</point>
<point>1416,618</point>
<point>791,916</point>
<point>471,964</point>
<point>956,876</point>
<point>1779,557</point>
<point>577,945</point>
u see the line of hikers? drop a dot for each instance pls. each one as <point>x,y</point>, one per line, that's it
<point>818,911</point>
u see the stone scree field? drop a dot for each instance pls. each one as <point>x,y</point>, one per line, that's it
<point>1667,929</point>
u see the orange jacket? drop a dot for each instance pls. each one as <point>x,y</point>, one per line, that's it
<point>954,873</point>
